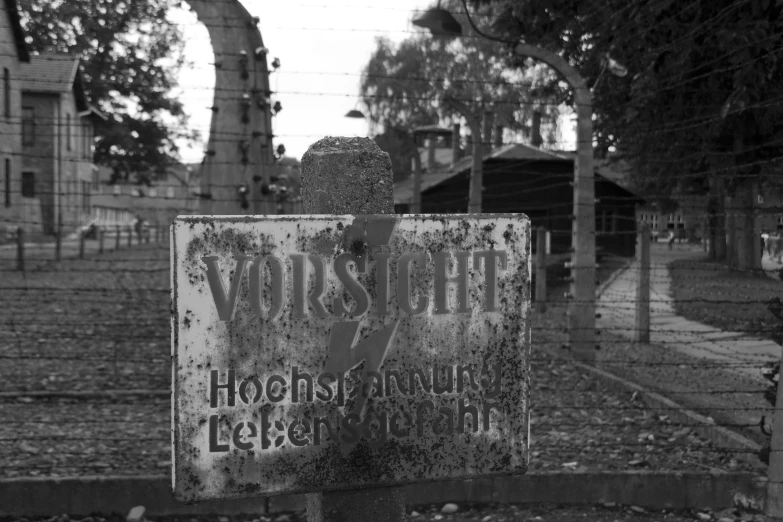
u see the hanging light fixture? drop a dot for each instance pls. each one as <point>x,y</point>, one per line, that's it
<point>355,113</point>
<point>439,22</point>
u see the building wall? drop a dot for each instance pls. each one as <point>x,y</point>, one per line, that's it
<point>76,169</point>
<point>63,169</point>
<point>10,128</point>
<point>39,160</point>
<point>542,190</point>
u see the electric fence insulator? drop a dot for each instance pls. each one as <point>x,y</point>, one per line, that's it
<point>243,62</point>
<point>245,102</point>
<point>244,145</point>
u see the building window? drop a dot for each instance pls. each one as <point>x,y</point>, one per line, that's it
<point>7,92</point>
<point>68,143</point>
<point>28,126</point>
<point>28,184</point>
<point>85,196</point>
<point>116,190</point>
<point>153,192</point>
<point>87,142</point>
<point>170,192</point>
<point>7,182</point>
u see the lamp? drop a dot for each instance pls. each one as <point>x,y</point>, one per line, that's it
<point>439,21</point>
<point>355,113</point>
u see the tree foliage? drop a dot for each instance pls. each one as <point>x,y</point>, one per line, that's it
<point>704,95</point>
<point>130,54</point>
<point>403,84</point>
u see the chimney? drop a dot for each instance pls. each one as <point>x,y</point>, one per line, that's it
<point>431,140</point>
<point>535,135</point>
<point>486,132</point>
<point>455,150</point>
<point>498,136</point>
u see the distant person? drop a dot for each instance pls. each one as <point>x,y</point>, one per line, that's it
<point>139,227</point>
<point>764,242</point>
<point>672,237</point>
<point>775,246</point>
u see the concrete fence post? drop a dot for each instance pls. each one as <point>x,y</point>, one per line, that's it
<point>58,243</point>
<point>82,240</point>
<point>642,322</point>
<point>350,176</point>
<point>20,249</point>
<point>100,240</point>
<point>117,237</point>
<point>541,269</point>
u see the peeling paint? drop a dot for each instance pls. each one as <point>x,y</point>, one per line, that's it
<point>409,341</point>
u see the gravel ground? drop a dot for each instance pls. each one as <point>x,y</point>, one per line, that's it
<point>478,513</point>
<point>103,324</point>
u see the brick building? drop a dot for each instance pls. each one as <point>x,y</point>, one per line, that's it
<point>13,54</point>
<point>57,134</point>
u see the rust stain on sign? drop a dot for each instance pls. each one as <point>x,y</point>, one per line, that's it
<point>338,352</point>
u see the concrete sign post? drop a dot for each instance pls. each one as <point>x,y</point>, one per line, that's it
<point>342,352</point>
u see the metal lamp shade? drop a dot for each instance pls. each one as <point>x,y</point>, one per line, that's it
<point>354,113</point>
<point>440,22</point>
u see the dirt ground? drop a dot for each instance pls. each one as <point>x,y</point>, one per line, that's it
<point>479,513</point>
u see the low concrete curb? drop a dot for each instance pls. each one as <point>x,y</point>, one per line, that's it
<point>748,449</point>
<point>704,426</point>
<point>612,278</point>
<point>105,495</point>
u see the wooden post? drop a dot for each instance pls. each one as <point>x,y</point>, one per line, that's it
<point>541,269</point>
<point>350,176</point>
<point>20,249</point>
<point>130,236</point>
<point>773,504</point>
<point>82,240</point>
<point>642,322</point>
<point>117,238</point>
<point>100,240</point>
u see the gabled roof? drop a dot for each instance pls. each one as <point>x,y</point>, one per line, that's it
<point>613,169</point>
<point>16,28</point>
<point>49,73</point>
<point>431,129</point>
<point>403,190</point>
<point>92,111</point>
<point>56,74</point>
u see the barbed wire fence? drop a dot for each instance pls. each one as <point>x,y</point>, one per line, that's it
<point>85,343</point>
<point>87,368</point>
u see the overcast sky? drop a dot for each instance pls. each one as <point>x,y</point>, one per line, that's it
<point>323,46</point>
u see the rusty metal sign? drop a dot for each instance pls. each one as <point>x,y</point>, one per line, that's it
<point>316,353</point>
